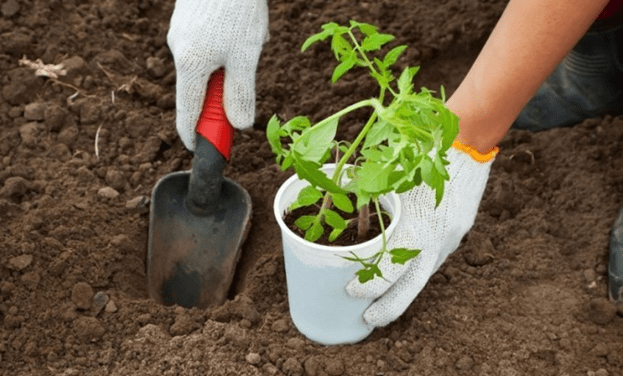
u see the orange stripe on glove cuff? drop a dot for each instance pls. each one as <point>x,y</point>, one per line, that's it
<point>475,154</point>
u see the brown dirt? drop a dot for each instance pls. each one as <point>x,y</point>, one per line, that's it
<point>524,295</point>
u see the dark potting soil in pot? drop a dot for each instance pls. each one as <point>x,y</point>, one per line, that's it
<point>349,235</point>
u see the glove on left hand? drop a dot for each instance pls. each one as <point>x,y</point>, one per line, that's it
<point>206,35</point>
<point>436,231</point>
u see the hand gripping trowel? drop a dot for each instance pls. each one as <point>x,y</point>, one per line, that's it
<point>199,219</point>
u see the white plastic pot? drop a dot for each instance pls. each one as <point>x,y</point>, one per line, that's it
<point>316,275</point>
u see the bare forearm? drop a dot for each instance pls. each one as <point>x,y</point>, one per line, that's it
<point>530,39</point>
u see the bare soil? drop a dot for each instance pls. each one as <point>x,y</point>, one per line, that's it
<point>525,294</point>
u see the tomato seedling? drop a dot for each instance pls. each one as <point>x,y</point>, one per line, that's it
<point>403,143</point>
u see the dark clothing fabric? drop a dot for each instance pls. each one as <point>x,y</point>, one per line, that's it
<point>613,8</point>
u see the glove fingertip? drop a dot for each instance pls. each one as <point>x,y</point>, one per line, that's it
<point>240,109</point>
<point>188,138</point>
<point>239,98</point>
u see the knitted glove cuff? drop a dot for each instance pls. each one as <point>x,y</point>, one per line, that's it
<point>475,154</point>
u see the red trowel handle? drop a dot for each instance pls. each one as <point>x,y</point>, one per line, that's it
<point>213,123</point>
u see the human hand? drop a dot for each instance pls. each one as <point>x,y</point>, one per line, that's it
<point>208,34</point>
<point>436,231</point>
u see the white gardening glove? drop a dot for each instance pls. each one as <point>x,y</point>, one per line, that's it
<point>208,34</point>
<point>436,231</point>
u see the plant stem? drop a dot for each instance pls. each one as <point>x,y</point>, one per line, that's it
<point>353,147</point>
<point>352,107</point>
<point>378,212</point>
<point>358,48</point>
<point>363,223</point>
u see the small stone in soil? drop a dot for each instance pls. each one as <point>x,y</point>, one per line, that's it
<point>139,204</point>
<point>20,262</point>
<point>99,301</point>
<point>111,307</point>
<point>253,358</point>
<point>108,192</point>
<point>280,326</point>
<point>589,275</point>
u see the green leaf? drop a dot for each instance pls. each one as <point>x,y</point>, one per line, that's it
<point>344,66</point>
<point>315,232</point>
<point>310,171</point>
<point>297,123</point>
<point>335,233</point>
<point>433,178</point>
<point>375,41</point>
<point>365,28</point>
<point>304,222</point>
<point>373,177</point>
<point>330,26</point>
<point>272,134</point>
<point>363,199</point>
<point>440,165</point>
<point>392,56</point>
<point>287,162</point>
<point>315,141</point>
<point>382,67</point>
<point>334,220</point>
<point>402,255</point>
<point>372,154</point>
<point>378,133</point>
<point>368,273</point>
<point>327,32</point>
<point>342,202</point>
<point>340,46</point>
<point>405,81</point>
<point>383,81</point>
<point>307,196</point>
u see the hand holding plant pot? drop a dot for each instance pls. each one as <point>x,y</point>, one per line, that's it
<point>436,230</point>
<point>402,145</point>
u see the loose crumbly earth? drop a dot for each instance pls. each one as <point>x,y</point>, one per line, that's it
<point>525,294</point>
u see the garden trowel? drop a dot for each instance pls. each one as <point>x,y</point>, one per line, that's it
<point>199,219</point>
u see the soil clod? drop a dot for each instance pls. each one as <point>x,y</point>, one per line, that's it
<point>82,295</point>
<point>601,311</point>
